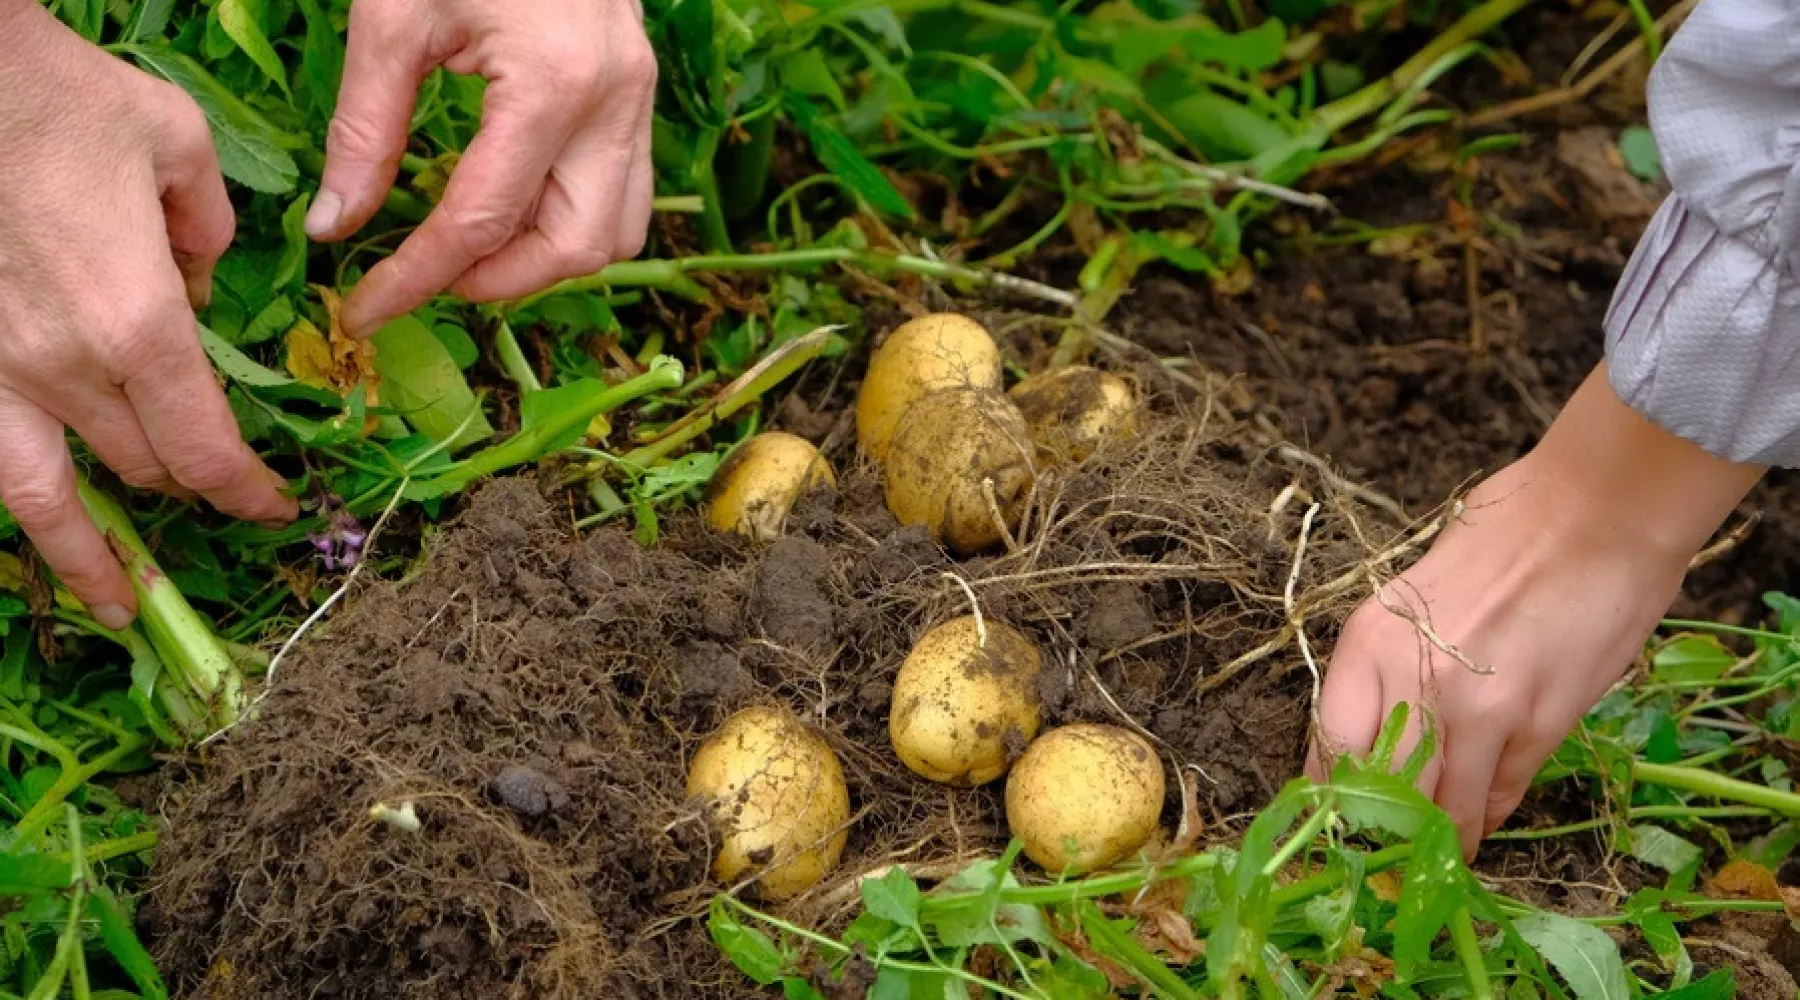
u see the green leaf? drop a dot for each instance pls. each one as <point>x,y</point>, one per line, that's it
<point>754,954</point>
<point>122,942</point>
<point>457,341</point>
<point>86,18</point>
<point>243,25</point>
<point>249,147</point>
<point>543,406</point>
<point>1255,50</point>
<point>148,20</point>
<point>894,896</point>
<point>1692,658</point>
<point>1720,985</point>
<point>24,874</point>
<point>275,319</point>
<point>845,162</point>
<point>1376,800</point>
<point>292,266</point>
<point>421,381</point>
<point>1657,925</point>
<point>321,60</point>
<point>907,984</point>
<point>1585,957</point>
<point>1654,845</point>
<point>1637,146</point>
<point>795,988</point>
<point>805,71</point>
<point>237,365</point>
<point>1223,128</point>
<point>1433,889</point>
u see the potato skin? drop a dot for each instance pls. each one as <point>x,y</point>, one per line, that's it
<point>960,708</point>
<point>752,492</point>
<point>1099,787</point>
<point>946,445</point>
<point>776,790</point>
<point>1074,410</point>
<point>939,351</point>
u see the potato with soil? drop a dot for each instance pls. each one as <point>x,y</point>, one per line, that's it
<point>959,457</point>
<point>778,800</point>
<point>753,491</point>
<point>1074,410</point>
<point>939,351</point>
<point>963,709</point>
<point>1085,796</point>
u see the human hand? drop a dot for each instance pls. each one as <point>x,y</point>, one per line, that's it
<point>557,183</point>
<point>1545,588</point>
<point>115,214</point>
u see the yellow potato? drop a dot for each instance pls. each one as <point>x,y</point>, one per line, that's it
<point>961,710</point>
<point>1073,410</point>
<point>940,351</point>
<point>1084,796</point>
<point>948,446</point>
<point>778,800</point>
<point>753,491</point>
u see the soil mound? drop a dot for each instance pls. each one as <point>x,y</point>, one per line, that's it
<point>534,696</point>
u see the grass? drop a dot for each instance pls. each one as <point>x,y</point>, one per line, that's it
<point>1143,133</point>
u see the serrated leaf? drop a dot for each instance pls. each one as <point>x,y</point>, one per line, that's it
<point>845,162</point>
<point>240,22</point>
<point>754,954</point>
<point>894,896</point>
<point>1376,800</point>
<point>1583,955</point>
<point>249,148</point>
<point>147,21</point>
<point>1692,658</point>
<point>421,381</point>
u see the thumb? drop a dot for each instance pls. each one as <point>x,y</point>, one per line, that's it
<point>383,67</point>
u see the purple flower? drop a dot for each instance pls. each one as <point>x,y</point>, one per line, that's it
<point>340,545</point>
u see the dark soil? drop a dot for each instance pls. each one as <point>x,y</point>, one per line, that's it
<point>534,696</point>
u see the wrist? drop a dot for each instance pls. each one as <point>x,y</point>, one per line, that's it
<point>1604,475</point>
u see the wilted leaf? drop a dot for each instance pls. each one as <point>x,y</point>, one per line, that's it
<point>332,361</point>
<point>1586,958</point>
<point>1741,879</point>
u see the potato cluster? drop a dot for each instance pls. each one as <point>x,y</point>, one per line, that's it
<point>959,455</point>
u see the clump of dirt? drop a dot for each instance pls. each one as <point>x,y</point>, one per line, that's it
<point>533,697</point>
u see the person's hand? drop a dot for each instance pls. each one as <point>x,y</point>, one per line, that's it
<point>557,183</point>
<point>1533,603</point>
<point>114,214</point>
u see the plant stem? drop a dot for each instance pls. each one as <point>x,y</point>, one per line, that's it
<point>44,810</point>
<point>1717,786</point>
<point>183,639</point>
<point>1315,825</point>
<point>1098,886</point>
<point>1642,812</point>
<point>1468,950</point>
<point>1307,888</point>
<point>512,358</point>
<point>1114,943</point>
<point>1366,101</point>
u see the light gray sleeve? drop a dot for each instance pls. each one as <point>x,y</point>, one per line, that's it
<point>1703,334</point>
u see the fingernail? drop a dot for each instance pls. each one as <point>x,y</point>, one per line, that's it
<point>322,217</point>
<point>112,616</point>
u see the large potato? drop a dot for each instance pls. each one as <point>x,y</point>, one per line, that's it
<point>753,491</point>
<point>961,710</point>
<point>1073,410</point>
<point>940,351</point>
<point>778,798</point>
<point>1084,796</point>
<point>947,446</point>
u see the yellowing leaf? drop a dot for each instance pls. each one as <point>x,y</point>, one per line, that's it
<point>1744,880</point>
<point>12,572</point>
<point>331,360</point>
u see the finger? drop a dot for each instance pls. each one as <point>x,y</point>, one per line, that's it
<point>640,189</point>
<point>483,208</point>
<point>38,486</point>
<point>106,423</point>
<point>384,62</point>
<point>196,207</point>
<point>577,222</point>
<point>1471,754</point>
<point>191,428</point>
<point>1350,703</point>
<point>1520,761</point>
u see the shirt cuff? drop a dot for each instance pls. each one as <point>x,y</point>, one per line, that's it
<point>1703,339</point>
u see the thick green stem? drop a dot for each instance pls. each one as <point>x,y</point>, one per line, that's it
<point>1315,825</point>
<point>1717,786</point>
<point>182,638</point>
<point>1373,97</point>
<point>44,811</point>
<point>1114,943</point>
<point>1644,812</point>
<point>512,358</point>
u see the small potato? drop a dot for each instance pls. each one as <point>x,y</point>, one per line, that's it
<point>1073,410</point>
<point>940,351</point>
<point>1084,796</point>
<point>778,800</point>
<point>950,444</point>
<point>753,491</point>
<point>962,710</point>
